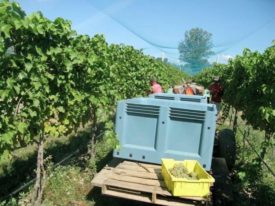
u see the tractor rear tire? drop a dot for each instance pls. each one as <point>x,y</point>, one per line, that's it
<point>227,147</point>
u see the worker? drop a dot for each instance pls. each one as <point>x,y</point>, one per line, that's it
<point>216,91</point>
<point>155,87</point>
<point>170,90</point>
<point>188,90</point>
<point>178,89</point>
<point>198,89</point>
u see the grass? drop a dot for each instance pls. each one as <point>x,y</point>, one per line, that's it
<point>69,183</point>
<point>253,184</point>
<point>66,186</point>
<point>20,169</point>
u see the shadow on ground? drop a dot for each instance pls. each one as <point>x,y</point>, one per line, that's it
<point>22,169</point>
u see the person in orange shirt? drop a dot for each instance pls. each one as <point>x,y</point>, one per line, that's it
<point>188,90</point>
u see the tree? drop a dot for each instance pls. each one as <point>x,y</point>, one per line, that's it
<point>195,49</point>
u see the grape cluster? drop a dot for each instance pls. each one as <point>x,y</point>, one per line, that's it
<point>180,171</point>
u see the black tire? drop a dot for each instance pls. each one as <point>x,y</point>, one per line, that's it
<point>227,147</point>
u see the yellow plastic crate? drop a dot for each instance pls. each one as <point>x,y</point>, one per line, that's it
<point>183,186</point>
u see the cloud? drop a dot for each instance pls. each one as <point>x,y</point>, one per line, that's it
<point>226,57</point>
<point>221,58</point>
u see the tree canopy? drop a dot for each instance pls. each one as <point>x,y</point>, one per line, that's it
<point>195,49</point>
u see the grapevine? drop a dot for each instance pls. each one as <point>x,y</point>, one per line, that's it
<point>53,80</point>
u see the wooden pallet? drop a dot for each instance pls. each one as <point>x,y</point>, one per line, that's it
<point>140,182</point>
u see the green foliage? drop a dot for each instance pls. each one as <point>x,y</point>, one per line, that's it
<point>36,79</point>
<point>252,181</point>
<point>11,202</point>
<point>51,78</point>
<point>249,82</point>
<point>250,87</point>
<point>196,48</point>
<point>205,77</point>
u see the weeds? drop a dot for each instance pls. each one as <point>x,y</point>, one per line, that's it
<point>66,185</point>
<point>253,183</point>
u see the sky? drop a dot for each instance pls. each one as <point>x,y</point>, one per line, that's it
<point>157,26</point>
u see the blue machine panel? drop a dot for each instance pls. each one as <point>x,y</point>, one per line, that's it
<point>150,129</point>
<point>179,97</point>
